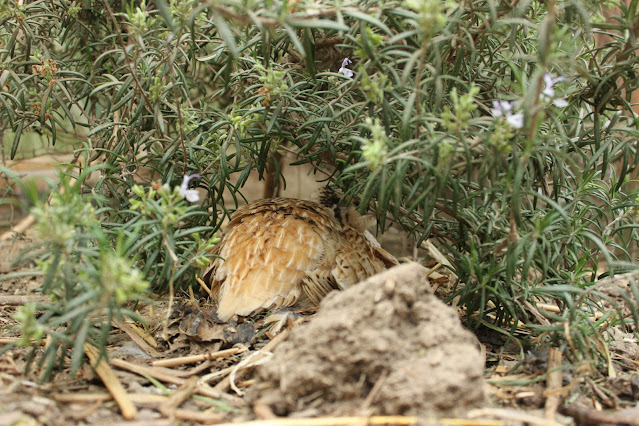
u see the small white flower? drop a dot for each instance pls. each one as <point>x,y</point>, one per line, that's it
<point>191,195</point>
<point>504,109</point>
<point>348,73</point>
<point>548,94</point>
<point>515,120</point>
<point>560,103</point>
<point>549,85</point>
<point>500,108</point>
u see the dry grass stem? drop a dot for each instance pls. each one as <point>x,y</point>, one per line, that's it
<point>219,373</point>
<point>510,415</point>
<point>200,417</point>
<point>173,362</point>
<point>330,421</point>
<point>111,382</point>
<point>9,340</point>
<point>549,308</point>
<point>21,227</point>
<point>165,375</point>
<point>137,398</point>
<point>204,286</point>
<point>137,338</point>
<point>553,383</point>
<point>10,300</point>
<point>254,359</point>
<point>184,392</point>
<point>225,384</point>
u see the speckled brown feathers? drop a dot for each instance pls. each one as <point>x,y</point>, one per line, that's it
<point>282,252</point>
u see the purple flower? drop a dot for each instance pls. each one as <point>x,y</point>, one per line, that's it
<point>501,108</point>
<point>548,94</point>
<point>504,109</point>
<point>560,102</point>
<point>348,73</point>
<point>515,120</point>
<point>191,195</point>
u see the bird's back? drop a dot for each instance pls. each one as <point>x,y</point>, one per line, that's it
<point>282,252</point>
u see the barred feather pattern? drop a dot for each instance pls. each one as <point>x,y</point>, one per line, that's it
<point>284,252</point>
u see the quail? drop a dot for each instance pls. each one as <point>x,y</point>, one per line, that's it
<point>285,252</point>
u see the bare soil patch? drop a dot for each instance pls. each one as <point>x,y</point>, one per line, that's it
<point>385,347</point>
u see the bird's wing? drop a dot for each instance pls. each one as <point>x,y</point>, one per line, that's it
<point>267,252</point>
<point>357,258</point>
<point>316,285</point>
<point>388,259</point>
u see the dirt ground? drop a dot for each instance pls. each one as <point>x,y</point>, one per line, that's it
<point>386,351</point>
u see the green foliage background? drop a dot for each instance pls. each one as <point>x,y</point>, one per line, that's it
<point>526,214</point>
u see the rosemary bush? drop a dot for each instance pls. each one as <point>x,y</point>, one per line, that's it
<point>500,129</point>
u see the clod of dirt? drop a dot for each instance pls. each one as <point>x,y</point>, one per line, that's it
<point>385,346</point>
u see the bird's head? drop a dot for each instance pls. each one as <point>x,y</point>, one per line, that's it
<point>331,197</point>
